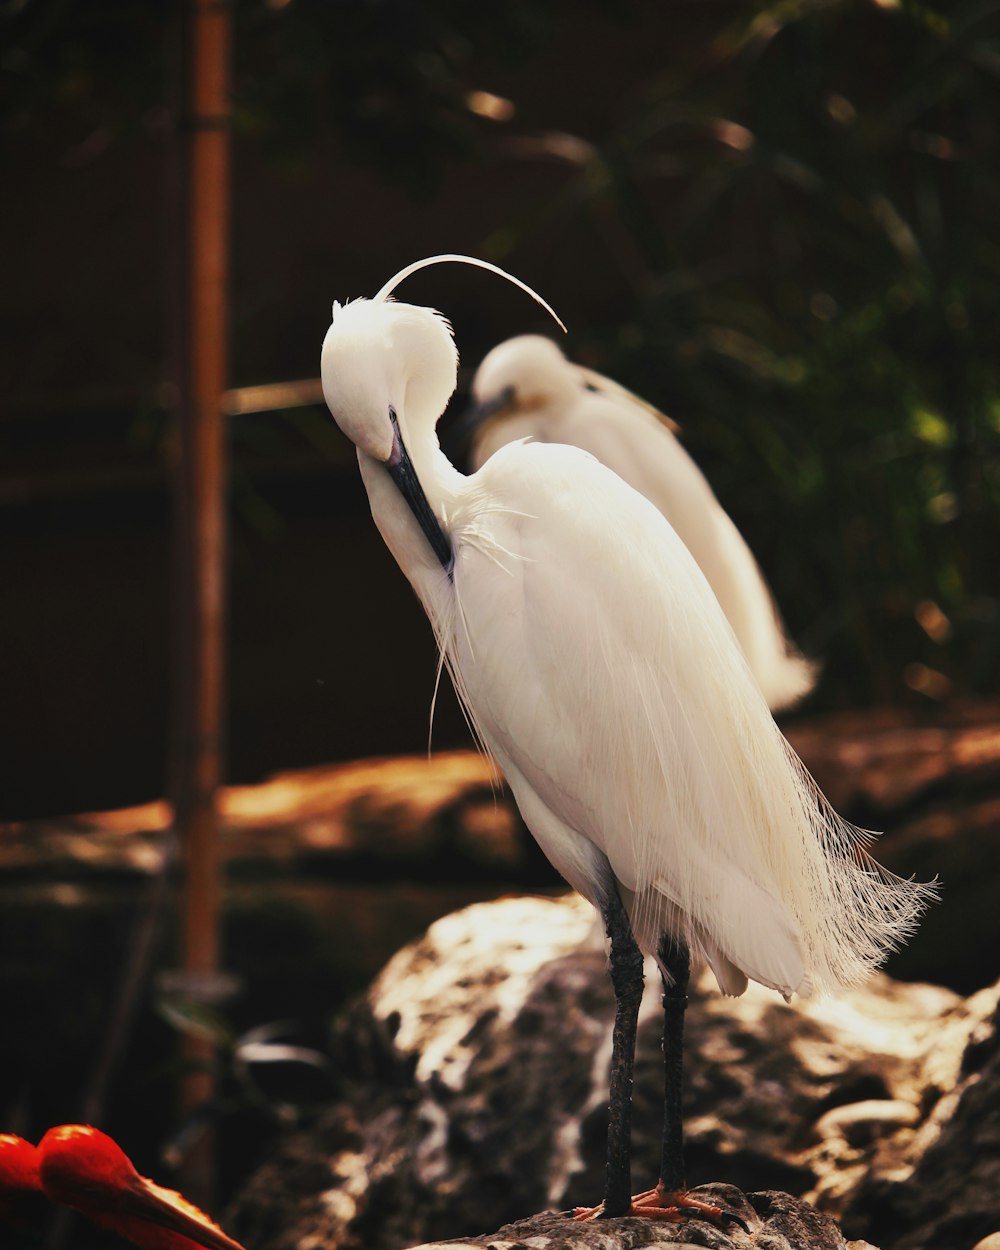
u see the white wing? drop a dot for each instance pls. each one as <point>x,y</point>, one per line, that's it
<point>601,672</point>
<point>638,443</point>
<point>629,439</point>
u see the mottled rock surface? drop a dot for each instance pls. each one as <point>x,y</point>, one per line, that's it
<point>474,1080</point>
<point>775,1221</point>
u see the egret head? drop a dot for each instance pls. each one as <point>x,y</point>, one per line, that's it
<point>523,376</point>
<point>388,372</point>
<point>381,357</point>
<point>524,372</point>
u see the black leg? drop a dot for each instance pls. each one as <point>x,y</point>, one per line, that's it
<point>675,959</point>
<point>626,977</point>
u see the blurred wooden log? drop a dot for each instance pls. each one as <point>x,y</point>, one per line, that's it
<point>935,789</point>
<point>864,762</point>
<point>881,761</point>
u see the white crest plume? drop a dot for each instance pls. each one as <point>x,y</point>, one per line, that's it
<point>393,282</point>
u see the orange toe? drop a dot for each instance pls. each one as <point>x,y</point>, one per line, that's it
<point>674,1206</point>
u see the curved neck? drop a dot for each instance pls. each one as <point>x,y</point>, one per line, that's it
<point>441,483</point>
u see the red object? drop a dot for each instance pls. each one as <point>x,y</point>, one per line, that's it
<point>80,1167</point>
<point>19,1182</point>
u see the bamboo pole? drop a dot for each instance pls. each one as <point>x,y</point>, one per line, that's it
<point>199,642</point>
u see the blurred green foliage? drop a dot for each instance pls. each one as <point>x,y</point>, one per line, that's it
<point>805,201</point>
<point>810,211</point>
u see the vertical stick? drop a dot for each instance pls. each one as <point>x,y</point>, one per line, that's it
<point>201,536</point>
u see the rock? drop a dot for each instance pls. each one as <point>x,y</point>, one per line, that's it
<point>944,1186</point>
<point>474,1092</point>
<point>775,1221</point>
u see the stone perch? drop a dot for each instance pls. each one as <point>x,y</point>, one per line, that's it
<point>776,1221</point>
<point>474,1093</point>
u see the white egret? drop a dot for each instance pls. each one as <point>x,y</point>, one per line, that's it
<point>599,671</point>
<point>526,388</point>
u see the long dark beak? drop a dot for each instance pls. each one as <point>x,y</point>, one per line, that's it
<point>460,434</point>
<point>401,470</point>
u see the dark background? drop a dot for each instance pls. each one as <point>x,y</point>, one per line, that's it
<point>780,223</point>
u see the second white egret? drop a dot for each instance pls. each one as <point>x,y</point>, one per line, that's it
<point>598,669</point>
<point>526,388</point>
